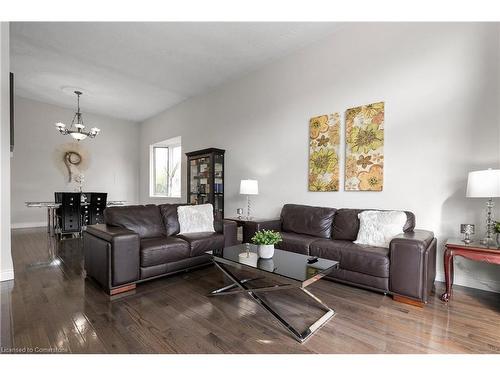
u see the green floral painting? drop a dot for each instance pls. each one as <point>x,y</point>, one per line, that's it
<point>324,142</point>
<point>364,164</point>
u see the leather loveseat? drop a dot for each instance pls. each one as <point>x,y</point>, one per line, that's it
<point>139,243</point>
<point>405,270</point>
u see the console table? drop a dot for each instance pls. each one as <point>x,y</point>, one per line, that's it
<point>473,251</point>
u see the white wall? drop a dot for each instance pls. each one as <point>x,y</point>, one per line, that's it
<point>113,154</point>
<point>6,268</point>
<point>440,84</point>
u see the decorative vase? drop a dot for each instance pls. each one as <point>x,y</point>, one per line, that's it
<point>265,251</point>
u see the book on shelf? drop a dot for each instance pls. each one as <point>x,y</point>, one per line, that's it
<point>218,188</point>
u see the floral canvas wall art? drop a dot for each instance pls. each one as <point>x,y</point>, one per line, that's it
<point>364,164</point>
<point>324,143</point>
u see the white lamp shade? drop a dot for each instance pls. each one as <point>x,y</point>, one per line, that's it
<point>484,184</point>
<point>249,187</point>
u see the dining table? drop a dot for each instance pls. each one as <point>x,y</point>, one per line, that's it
<point>52,206</point>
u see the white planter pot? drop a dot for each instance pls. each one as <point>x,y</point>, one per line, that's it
<point>265,251</point>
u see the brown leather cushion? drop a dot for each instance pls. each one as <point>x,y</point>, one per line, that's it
<point>170,218</point>
<point>361,279</point>
<point>162,250</point>
<point>183,264</point>
<point>143,220</point>
<point>369,260</point>
<point>203,241</point>
<point>297,243</point>
<point>314,221</point>
<point>346,223</point>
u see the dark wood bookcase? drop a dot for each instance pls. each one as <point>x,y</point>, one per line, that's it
<point>205,178</point>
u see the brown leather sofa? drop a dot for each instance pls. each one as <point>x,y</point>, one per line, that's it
<point>140,243</point>
<point>405,270</point>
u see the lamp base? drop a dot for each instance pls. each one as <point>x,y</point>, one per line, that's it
<point>488,240</point>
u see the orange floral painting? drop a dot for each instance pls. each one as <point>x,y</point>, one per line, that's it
<point>324,143</point>
<point>364,165</point>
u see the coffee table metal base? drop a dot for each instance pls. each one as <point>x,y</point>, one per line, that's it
<point>243,288</point>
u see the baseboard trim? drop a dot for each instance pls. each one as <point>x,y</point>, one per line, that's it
<point>470,282</point>
<point>36,224</point>
<point>7,275</point>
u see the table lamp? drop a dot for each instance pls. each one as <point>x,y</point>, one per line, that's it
<point>249,187</point>
<point>485,184</point>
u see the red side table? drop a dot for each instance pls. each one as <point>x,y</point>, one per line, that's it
<point>474,251</point>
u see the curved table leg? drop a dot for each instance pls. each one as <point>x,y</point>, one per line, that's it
<point>448,274</point>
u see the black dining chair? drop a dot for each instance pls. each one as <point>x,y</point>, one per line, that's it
<point>96,208</point>
<point>56,220</point>
<point>69,215</point>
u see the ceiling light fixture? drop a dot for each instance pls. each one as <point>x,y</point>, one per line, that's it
<point>76,129</point>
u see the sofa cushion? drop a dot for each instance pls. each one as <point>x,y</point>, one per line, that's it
<point>163,250</point>
<point>297,243</point>
<point>365,259</point>
<point>196,218</point>
<point>143,220</point>
<point>170,218</point>
<point>184,264</point>
<point>314,221</point>
<point>346,223</point>
<point>378,228</point>
<point>203,241</point>
<point>360,279</point>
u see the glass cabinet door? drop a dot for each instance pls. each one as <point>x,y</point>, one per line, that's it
<point>219,186</point>
<point>206,179</point>
<point>199,181</point>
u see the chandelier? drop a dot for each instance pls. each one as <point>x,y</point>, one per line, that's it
<point>76,129</point>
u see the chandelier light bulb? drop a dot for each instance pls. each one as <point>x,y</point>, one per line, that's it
<point>60,125</point>
<point>79,126</point>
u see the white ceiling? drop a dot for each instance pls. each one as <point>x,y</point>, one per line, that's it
<point>136,70</point>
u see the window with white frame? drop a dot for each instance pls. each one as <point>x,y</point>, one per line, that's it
<point>165,171</point>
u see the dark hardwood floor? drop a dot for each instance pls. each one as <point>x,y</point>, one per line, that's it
<point>52,308</point>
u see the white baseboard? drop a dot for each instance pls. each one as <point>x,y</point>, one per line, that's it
<point>470,282</point>
<point>29,225</point>
<point>7,275</point>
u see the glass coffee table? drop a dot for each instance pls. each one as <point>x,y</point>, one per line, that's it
<point>286,270</point>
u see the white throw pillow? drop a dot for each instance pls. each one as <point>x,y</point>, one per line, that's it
<point>194,219</point>
<point>378,228</point>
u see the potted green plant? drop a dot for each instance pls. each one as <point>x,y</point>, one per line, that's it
<point>266,239</point>
<point>496,227</point>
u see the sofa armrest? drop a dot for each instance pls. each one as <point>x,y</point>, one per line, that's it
<point>108,232</point>
<point>112,255</point>
<point>250,227</point>
<point>229,229</point>
<point>413,264</point>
